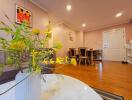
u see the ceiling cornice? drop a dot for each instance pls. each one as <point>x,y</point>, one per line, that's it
<point>69,26</point>
<point>45,10</point>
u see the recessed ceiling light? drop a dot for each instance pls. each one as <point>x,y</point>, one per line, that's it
<point>68,7</point>
<point>119,14</point>
<point>83,25</point>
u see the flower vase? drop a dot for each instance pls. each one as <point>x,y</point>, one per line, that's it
<point>29,87</point>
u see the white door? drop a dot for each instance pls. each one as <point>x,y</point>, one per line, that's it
<point>114,45</point>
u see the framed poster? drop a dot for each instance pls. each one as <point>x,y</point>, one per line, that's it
<point>23,14</point>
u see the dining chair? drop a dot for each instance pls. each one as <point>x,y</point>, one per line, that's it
<point>72,52</point>
<point>83,55</point>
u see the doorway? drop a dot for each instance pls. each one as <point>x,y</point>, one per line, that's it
<point>114,45</point>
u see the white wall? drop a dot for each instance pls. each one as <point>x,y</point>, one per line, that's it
<point>94,39</point>
<point>61,32</point>
<point>80,39</point>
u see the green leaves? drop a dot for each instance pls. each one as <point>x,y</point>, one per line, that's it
<point>57,45</point>
<point>7,30</point>
<point>4,27</point>
<point>9,61</point>
<point>1,69</point>
<point>4,43</point>
<point>21,28</point>
<point>24,39</point>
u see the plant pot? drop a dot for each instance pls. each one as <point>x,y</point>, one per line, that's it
<point>29,88</point>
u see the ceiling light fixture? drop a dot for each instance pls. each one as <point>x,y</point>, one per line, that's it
<point>83,25</point>
<point>68,7</point>
<point>119,14</point>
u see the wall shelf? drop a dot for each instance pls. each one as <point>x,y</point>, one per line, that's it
<point>129,52</point>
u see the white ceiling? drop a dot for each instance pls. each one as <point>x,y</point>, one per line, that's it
<point>95,13</point>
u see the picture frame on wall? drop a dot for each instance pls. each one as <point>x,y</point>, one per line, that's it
<point>22,14</point>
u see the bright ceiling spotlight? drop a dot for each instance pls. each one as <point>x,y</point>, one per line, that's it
<point>68,7</point>
<point>83,25</point>
<point>118,14</point>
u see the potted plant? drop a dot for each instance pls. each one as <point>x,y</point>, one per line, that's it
<point>25,39</point>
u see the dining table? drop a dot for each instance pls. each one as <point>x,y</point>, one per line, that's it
<point>55,87</point>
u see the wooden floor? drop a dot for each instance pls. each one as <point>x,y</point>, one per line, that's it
<point>112,77</point>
